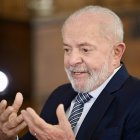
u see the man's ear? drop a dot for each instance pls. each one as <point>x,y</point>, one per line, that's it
<point>119,50</point>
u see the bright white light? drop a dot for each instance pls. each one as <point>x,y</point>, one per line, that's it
<point>3,81</point>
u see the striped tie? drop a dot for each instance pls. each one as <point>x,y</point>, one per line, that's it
<point>81,99</point>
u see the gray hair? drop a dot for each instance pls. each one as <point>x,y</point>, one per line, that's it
<point>116,27</point>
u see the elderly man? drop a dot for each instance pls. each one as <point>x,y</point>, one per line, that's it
<point>102,101</point>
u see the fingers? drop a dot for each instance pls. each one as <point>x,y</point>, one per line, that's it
<point>31,116</point>
<point>39,128</point>
<point>11,128</point>
<point>10,123</point>
<point>17,102</point>
<point>12,116</point>
<point>14,131</point>
<point>45,131</point>
<point>3,105</point>
<point>16,105</point>
<point>5,115</point>
<point>34,122</point>
<point>14,122</point>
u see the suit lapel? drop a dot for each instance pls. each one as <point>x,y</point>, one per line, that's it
<point>101,105</point>
<point>94,116</point>
<point>66,101</point>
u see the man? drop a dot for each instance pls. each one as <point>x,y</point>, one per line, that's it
<point>93,48</point>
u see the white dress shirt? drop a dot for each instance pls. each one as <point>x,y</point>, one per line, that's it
<point>88,104</point>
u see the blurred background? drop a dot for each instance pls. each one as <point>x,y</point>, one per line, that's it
<point>31,53</point>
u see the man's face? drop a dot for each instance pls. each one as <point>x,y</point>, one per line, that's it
<point>87,55</point>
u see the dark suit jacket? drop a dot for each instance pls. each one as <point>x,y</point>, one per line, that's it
<point>115,115</point>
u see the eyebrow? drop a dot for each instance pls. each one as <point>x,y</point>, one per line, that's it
<point>84,44</point>
<point>65,44</point>
<point>79,45</point>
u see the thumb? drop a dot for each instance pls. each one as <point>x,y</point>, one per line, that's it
<point>63,120</point>
<point>64,123</point>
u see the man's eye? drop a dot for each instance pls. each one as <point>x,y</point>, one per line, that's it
<point>85,50</point>
<point>66,50</point>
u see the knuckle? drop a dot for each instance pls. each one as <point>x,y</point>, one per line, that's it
<point>2,119</point>
<point>4,129</point>
<point>9,108</point>
<point>9,134</point>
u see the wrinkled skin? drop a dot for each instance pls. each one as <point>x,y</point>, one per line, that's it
<point>45,131</point>
<point>10,123</point>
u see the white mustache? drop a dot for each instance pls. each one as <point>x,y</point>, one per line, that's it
<point>77,69</point>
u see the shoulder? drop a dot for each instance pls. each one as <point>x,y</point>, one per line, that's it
<point>128,96</point>
<point>66,86</point>
<point>130,89</point>
<point>62,89</point>
<point>133,83</point>
<point>58,96</point>
<point>61,92</point>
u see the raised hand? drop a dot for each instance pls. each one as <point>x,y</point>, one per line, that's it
<point>10,123</point>
<point>45,131</point>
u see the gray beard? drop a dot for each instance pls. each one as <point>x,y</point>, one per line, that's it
<point>95,79</point>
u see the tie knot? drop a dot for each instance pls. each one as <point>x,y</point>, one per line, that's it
<point>83,98</point>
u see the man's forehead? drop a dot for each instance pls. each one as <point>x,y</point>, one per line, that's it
<point>97,16</point>
<point>87,19</point>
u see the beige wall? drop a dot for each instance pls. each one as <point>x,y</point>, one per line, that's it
<point>20,8</point>
<point>48,69</point>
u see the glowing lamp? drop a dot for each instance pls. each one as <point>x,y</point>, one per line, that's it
<point>3,81</point>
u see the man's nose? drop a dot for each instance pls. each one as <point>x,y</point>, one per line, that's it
<point>75,58</point>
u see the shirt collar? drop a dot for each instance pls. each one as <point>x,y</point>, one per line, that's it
<point>95,93</point>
